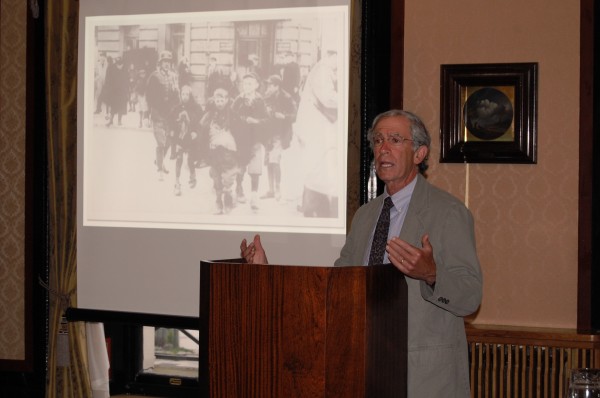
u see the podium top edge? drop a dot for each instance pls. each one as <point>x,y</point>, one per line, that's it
<point>240,261</point>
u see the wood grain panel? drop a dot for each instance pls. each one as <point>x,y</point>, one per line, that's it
<point>301,331</point>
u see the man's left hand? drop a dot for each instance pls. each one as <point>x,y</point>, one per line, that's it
<point>418,263</point>
<point>253,253</point>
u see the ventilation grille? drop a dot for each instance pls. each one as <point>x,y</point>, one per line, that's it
<point>527,367</point>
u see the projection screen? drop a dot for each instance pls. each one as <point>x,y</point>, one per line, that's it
<point>200,124</point>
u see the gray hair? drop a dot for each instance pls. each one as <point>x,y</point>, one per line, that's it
<point>418,132</point>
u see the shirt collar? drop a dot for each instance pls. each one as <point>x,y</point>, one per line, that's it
<point>403,195</point>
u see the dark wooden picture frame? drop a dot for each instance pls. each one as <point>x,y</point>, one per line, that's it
<point>488,113</point>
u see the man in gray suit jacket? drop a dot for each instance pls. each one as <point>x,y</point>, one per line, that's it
<point>431,241</point>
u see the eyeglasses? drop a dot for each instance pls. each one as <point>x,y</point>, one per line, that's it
<point>394,139</point>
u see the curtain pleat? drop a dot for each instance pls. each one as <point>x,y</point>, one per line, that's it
<point>67,359</point>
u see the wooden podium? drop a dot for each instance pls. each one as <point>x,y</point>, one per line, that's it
<point>302,331</point>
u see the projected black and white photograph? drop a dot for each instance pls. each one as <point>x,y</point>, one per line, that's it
<point>217,120</point>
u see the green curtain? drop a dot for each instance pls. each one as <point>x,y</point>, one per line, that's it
<point>65,378</point>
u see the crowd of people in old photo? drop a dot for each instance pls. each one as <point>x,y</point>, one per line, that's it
<point>240,128</point>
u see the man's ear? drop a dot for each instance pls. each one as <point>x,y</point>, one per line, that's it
<point>421,153</point>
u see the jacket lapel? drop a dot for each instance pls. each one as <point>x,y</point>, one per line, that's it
<point>413,228</point>
<point>371,217</point>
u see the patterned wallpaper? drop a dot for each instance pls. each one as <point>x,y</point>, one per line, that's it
<point>525,215</point>
<point>12,178</point>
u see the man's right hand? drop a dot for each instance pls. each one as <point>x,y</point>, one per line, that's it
<point>253,253</point>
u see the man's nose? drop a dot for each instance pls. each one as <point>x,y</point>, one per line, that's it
<point>385,146</point>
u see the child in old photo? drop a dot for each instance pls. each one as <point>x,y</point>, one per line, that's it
<point>222,149</point>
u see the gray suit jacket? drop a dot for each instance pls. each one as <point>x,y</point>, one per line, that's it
<point>437,345</point>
